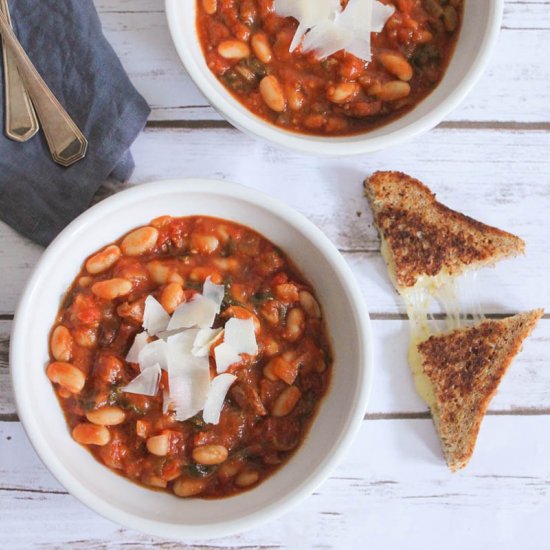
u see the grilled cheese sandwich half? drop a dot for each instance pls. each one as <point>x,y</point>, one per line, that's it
<point>464,368</point>
<point>426,247</point>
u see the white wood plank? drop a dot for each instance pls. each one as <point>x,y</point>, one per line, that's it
<point>391,491</point>
<point>513,89</point>
<point>499,177</point>
<point>526,387</point>
<point>17,256</point>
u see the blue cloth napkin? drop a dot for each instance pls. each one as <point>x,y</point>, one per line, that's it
<point>64,40</point>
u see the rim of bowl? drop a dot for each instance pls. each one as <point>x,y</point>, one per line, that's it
<point>248,122</point>
<point>354,419</point>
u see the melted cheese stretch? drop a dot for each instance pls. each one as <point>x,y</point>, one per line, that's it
<point>445,289</point>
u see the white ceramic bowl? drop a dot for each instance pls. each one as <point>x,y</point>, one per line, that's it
<point>482,19</point>
<point>159,513</point>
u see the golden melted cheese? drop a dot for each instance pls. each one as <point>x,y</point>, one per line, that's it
<point>443,288</point>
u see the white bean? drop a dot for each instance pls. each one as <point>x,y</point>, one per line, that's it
<point>67,376</point>
<point>140,241</point>
<point>210,454</point>
<point>233,49</point>
<point>262,47</point>
<point>158,445</point>
<point>103,260</point>
<point>90,434</point>
<point>61,343</point>
<point>106,416</point>
<point>287,400</point>
<point>272,93</point>
<point>112,288</point>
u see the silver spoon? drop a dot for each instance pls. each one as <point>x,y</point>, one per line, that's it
<point>21,122</point>
<point>66,142</point>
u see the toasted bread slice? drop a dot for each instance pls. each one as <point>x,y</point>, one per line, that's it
<point>465,367</point>
<point>423,238</point>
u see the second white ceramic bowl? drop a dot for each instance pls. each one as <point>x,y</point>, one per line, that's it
<point>480,28</point>
<point>163,514</point>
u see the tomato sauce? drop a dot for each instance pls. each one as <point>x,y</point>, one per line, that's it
<point>246,45</point>
<point>268,408</point>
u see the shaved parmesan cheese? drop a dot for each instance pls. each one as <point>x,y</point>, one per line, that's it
<point>155,318</point>
<point>204,340</point>
<point>198,312</point>
<point>183,348</point>
<point>225,356</point>
<point>380,15</point>
<point>165,334</point>
<point>189,390</point>
<point>188,376</point>
<point>213,292</point>
<point>181,344</point>
<point>327,38</point>
<point>216,396</point>
<point>360,48</point>
<point>309,13</point>
<point>140,341</point>
<point>326,29</point>
<point>145,383</point>
<point>359,16</point>
<point>153,353</point>
<point>241,336</point>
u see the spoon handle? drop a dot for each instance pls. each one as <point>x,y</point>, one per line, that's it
<point>66,142</point>
<point>21,122</point>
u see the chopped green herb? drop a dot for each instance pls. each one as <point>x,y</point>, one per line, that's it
<point>194,285</point>
<point>228,299</point>
<point>114,395</point>
<point>132,407</point>
<point>229,248</point>
<point>199,470</point>
<point>261,297</point>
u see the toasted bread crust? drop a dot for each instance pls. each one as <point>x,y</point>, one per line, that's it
<point>425,237</point>
<point>465,367</point>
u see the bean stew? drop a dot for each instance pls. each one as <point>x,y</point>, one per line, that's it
<point>270,405</point>
<point>246,45</point>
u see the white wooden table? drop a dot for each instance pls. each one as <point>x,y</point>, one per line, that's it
<point>491,160</point>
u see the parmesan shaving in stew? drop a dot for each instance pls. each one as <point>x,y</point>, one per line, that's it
<point>204,340</point>
<point>309,13</point>
<point>155,318</point>
<point>188,377</point>
<point>324,28</point>
<point>198,312</point>
<point>327,38</point>
<point>216,396</point>
<point>239,337</point>
<point>240,334</point>
<point>213,292</point>
<point>140,342</point>
<point>153,353</point>
<point>225,357</point>
<point>183,349</point>
<point>145,383</point>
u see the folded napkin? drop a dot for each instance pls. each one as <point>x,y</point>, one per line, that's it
<point>64,40</point>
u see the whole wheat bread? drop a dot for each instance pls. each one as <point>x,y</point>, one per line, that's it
<point>424,237</point>
<point>465,367</point>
